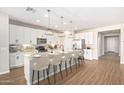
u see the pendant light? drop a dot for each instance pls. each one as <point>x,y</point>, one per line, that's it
<point>71,29</point>
<point>62,24</point>
<point>49,23</point>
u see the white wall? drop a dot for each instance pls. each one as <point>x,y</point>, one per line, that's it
<point>107,28</point>
<point>99,44</point>
<point>4,43</point>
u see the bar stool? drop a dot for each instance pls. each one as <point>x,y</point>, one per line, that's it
<point>66,58</point>
<point>81,57</point>
<point>75,57</point>
<point>55,60</point>
<point>40,64</point>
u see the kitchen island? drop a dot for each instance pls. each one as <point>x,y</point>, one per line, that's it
<point>28,64</point>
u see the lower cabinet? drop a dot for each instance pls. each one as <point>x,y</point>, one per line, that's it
<point>16,60</point>
<point>88,54</point>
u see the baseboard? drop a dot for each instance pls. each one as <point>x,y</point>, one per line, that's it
<point>4,72</point>
<point>17,66</point>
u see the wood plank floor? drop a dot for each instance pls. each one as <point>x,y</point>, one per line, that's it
<point>105,71</point>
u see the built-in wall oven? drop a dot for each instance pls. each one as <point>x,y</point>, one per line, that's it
<point>41,44</point>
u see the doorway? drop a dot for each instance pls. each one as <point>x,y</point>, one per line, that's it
<point>109,43</point>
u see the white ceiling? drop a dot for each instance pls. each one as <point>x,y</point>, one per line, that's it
<point>82,17</point>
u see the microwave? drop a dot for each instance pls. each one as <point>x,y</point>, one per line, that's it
<point>41,40</point>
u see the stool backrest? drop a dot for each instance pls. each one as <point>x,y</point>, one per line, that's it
<point>42,62</point>
<point>55,59</point>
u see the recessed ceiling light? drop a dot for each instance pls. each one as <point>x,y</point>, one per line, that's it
<point>46,15</point>
<point>64,23</point>
<point>38,20</point>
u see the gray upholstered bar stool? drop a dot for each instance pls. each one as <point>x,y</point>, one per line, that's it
<point>66,58</point>
<point>75,56</point>
<point>55,60</point>
<point>40,64</point>
<point>81,57</point>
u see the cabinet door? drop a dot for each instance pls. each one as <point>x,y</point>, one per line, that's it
<point>90,36</point>
<point>19,59</point>
<point>85,54</point>
<point>19,35</point>
<point>89,54</point>
<point>39,33</point>
<point>12,34</point>
<point>83,36</point>
<point>33,36</point>
<point>12,60</point>
<point>26,32</point>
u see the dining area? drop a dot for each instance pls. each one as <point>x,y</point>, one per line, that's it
<point>42,66</point>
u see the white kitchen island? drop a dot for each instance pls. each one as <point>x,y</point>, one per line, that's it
<point>28,64</point>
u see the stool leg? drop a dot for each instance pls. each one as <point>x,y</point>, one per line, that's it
<point>38,76</point>
<point>70,65</point>
<point>60,67</point>
<point>33,76</point>
<point>83,60</point>
<point>48,75</point>
<point>66,68</point>
<point>76,64</point>
<point>54,67</point>
<point>44,74</point>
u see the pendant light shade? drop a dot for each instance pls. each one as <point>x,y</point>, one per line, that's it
<point>49,23</point>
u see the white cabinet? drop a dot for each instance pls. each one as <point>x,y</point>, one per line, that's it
<point>16,34</point>
<point>39,33</point>
<point>88,36</point>
<point>19,35</point>
<point>88,54</point>
<point>12,35</point>
<point>16,60</point>
<point>27,34</point>
<point>33,37</point>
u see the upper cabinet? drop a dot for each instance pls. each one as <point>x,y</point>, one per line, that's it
<point>88,36</point>
<point>16,34</point>
<point>26,35</point>
<point>12,34</point>
<point>33,36</point>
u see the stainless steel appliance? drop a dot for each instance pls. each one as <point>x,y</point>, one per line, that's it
<point>83,45</point>
<point>79,44</point>
<point>41,41</point>
<point>14,48</point>
<point>41,48</point>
